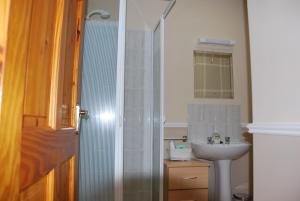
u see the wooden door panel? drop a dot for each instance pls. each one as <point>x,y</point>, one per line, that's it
<point>39,59</point>
<point>42,190</point>
<point>15,23</point>
<point>65,188</point>
<point>38,72</point>
<point>35,121</point>
<point>68,86</point>
<point>57,185</point>
<point>44,150</point>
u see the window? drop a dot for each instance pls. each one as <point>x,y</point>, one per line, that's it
<point>213,77</point>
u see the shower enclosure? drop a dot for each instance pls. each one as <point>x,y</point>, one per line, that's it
<point>121,138</point>
<point>97,135</point>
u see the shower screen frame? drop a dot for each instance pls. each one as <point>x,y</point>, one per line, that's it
<point>161,26</point>
<point>119,159</point>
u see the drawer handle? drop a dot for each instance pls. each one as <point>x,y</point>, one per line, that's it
<point>188,200</point>
<point>190,178</point>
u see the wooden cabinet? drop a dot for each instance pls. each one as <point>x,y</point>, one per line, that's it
<point>185,181</point>
<point>188,195</point>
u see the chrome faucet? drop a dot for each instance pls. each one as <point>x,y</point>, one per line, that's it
<point>216,138</point>
<point>227,140</point>
<point>209,140</point>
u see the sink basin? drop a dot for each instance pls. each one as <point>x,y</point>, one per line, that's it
<point>221,155</point>
<point>220,151</point>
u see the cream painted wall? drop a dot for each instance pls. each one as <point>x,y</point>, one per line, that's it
<point>276,168</point>
<point>188,21</point>
<point>150,10</point>
<point>275,46</point>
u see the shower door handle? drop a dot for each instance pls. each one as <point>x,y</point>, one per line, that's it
<point>80,114</point>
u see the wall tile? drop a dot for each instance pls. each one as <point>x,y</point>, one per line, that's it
<point>204,118</point>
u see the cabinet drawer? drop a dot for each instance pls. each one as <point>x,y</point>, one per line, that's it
<point>188,178</point>
<point>188,195</point>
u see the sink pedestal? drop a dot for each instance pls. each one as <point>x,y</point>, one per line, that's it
<point>222,155</point>
<point>223,184</point>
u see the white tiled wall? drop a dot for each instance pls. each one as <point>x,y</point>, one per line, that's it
<point>137,127</point>
<point>203,118</point>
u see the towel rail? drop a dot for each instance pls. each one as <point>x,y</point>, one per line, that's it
<point>184,138</point>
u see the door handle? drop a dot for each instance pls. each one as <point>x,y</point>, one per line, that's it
<point>80,114</point>
<point>84,114</point>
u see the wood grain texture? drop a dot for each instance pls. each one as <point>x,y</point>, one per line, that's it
<point>69,64</point>
<point>77,58</point>
<point>64,181</point>
<point>42,190</point>
<point>70,69</point>
<point>185,180</point>
<point>62,64</point>
<point>188,178</point>
<point>13,84</point>
<point>38,61</point>
<point>34,121</point>
<point>58,60</point>
<point>44,150</point>
<point>1,67</point>
<point>188,195</point>
<point>4,10</point>
<point>72,178</point>
<point>37,164</point>
<point>4,14</point>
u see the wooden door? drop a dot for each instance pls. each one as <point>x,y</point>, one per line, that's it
<point>39,67</point>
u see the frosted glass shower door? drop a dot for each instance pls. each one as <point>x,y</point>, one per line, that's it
<point>97,136</point>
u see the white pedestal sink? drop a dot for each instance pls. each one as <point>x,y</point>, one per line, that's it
<point>222,155</point>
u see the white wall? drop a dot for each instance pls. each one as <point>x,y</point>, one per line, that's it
<point>275,46</point>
